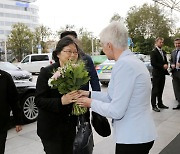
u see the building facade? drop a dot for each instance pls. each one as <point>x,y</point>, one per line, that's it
<point>16,11</point>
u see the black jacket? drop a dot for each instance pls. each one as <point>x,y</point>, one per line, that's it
<point>158,62</point>
<point>94,80</point>
<point>8,101</point>
<point>53,116</point>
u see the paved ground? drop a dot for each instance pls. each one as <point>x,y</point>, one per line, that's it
<point>167,124</point>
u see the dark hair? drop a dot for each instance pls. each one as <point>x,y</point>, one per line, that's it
<point>176,39</point>
<point>60,45</point>
<point>66,33</point>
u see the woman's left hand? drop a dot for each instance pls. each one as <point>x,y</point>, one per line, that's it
<point>84,93</point>
<point>70,97</point>
<point>84,102</point>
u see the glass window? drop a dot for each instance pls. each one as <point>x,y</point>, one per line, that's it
<point>7,32</point>
<point>9,23</point>
<point>1,23</point>
<point>12,7</point>
<point>39,58</point>
<point>1,14</point>
<point>1,5</point>
<point>1,31</point>
<point>26,60</point>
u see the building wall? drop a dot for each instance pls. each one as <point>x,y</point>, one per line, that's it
<point>14,11</point>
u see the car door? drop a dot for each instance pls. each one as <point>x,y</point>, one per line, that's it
<point>24,64</point>
<point>38,62</point>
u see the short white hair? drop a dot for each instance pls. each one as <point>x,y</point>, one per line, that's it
<point>115,33</point>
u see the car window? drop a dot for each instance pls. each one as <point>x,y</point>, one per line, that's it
<point>26,60</point>
<point>39,58</point>
<point>7,66</point>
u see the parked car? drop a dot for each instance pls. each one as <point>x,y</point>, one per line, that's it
<point>142,57</point>
<point>104,70</point>
<point>146,60</point>
<point>34,62</point>
<point>16,73</point>
<point>26,90</point>
<point>149,66</point>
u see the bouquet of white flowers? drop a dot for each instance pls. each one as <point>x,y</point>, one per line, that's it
<point>72,76</point>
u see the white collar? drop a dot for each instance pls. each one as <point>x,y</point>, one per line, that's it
<point>158,48</point>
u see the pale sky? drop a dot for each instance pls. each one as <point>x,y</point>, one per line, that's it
<point>93,15</point>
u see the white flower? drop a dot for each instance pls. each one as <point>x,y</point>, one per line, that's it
<point>62,70</point>
<point>56,75</point>
<point>49,82</point>
<point>75,65</point>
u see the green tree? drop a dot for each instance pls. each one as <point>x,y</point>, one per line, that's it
<point>177,33</point>
<point>85,38</point>
<point>20,40</point>
<point>36,39</point>
<point>146,23</point>
<point>116,17</point>
<point>42,34</point>
<point>66,28</point>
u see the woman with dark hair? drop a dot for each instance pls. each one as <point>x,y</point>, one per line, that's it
<point>56,126</point>
<point>94,80</point>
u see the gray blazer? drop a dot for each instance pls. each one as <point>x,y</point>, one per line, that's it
<point>173,60</point>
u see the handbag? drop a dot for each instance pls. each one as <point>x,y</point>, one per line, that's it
<point>83,142</point>
<point>100,124</point>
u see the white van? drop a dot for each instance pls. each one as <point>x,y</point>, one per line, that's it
<point>34,62</point>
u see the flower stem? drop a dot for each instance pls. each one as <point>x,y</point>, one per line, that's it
<point>77,110</point>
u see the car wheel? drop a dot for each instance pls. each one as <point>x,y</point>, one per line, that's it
<point>29,108</point>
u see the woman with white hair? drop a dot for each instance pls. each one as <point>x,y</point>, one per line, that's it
<point>127,100</point>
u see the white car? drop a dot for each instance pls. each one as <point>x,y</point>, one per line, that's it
<point>104,70</point>
<point>34,62</point>
<point>16,73</point>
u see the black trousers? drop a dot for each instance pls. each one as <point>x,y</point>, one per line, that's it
<point>3,136</point>
<point>62,146</point>
<point>158,83</point>
<point>176,85</point>
<point>142,148</point>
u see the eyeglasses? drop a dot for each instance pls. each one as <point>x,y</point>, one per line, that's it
<point>70,52</point>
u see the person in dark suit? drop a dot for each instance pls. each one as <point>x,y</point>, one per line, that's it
<point>160,65</point>
<point>175,70</point>
<point>8,102</point>
<point>56,126</point>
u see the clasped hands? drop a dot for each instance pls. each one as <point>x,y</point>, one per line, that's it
<point>79,97</point>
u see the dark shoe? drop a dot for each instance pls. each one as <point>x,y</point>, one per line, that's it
<point>177,108</point>
<point>162,106</point>
<point>156,109</point>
